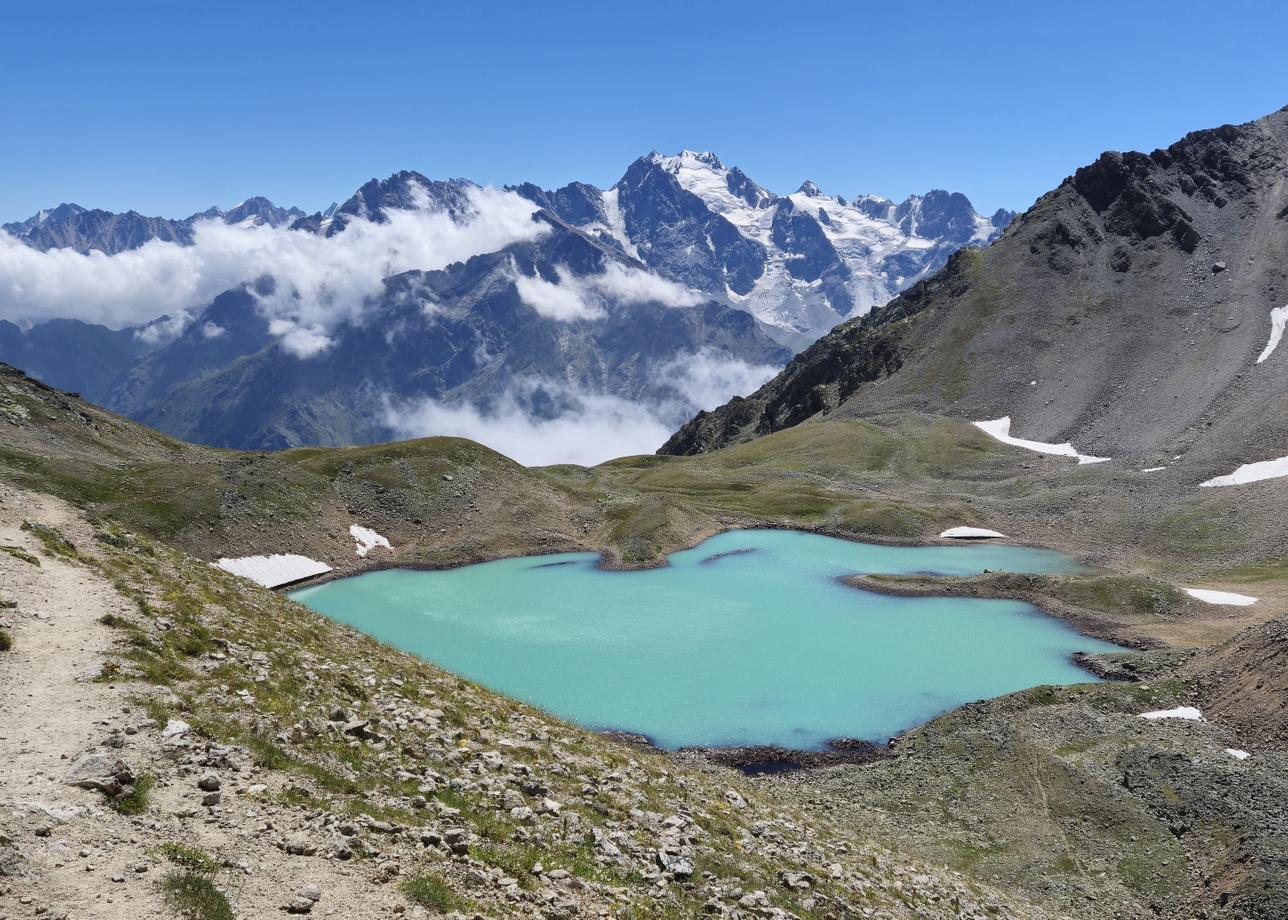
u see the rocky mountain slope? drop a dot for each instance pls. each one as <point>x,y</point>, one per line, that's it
<point>683,260</point>
<point>1132,311</point>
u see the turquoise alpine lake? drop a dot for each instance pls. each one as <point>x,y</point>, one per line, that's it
<point>748,639</point>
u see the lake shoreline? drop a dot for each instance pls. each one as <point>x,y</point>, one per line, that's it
<point>811,565</point>
<point>1085,622</point>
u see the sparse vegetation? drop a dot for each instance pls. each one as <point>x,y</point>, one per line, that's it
<point>18,552</point>
<point>53,541</point>
<point>431,891</point>
<point>136,801</point>
<point>188,858</point>
<point>193,896</point>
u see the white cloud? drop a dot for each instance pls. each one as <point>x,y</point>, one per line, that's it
<point>705,379</point>
<point>591,428</point>
<point>213,330</point>
<point>321,281</point>
<point>303,341</point>
<point>633,285</point>
<point>562,300</point>
<point>571,298</point>
<point>597,429</point>
<point>164,328</point>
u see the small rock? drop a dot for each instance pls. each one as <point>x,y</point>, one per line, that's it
<point>209,783</point>
<point>312,892</point>
<point>175,728</point>
<point>211,799</point>
<point>299,845</point>
<point>1218,267</point>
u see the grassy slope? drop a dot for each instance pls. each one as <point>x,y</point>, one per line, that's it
<point>246,667</point>
<point>900,478</point>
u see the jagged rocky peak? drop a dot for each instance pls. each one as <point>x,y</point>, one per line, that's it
<point>687,158</point>
<point>809,189</point>
<point>64,211</point>
<point>260,210</point>
<point>576,203</point>
<point>406,190</point>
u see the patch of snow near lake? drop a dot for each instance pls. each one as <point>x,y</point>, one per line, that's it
<point>1180,712</point>
<point>367,539</point>
<point>1278,319</point>
<point>1221,597</point>
<point>1251,472</point>
<point>969,533</point>
<point>272,571</point>
<point>1153,469</point>
<point>1000,429</point>
<point>1237,754</point>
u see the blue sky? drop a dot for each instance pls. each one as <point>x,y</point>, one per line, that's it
<point>168,107</point>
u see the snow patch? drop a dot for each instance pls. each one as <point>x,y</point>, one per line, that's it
<point>1237,754</point>
<point>366,539</point>
<point>1153,469</point>
<point>275,570</point>
<point>617,223</point>
<point>1228,598</point>
<point>1180,712</point>
<point>1278,319</point>
<point>969,533</point>
<point>1000,429</point>
<point>1251,472</point>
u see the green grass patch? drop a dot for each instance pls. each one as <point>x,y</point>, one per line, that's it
<point>430,890</point>
<point>135,802</point>
<point>18,552</point>
<point>193,896</point>
<point>189,858</point>
<point>52,539</point>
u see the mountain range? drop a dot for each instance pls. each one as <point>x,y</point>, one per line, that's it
<point>603,294</point>
<point>1134,311</point>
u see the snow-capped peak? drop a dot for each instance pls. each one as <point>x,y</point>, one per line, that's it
<point>687,159</point>
<point>809,189</point>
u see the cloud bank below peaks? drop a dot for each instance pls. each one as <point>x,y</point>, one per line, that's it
<point>320,281</point>
<point>575,426</point>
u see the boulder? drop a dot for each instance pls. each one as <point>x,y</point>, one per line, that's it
<point>105,773</point>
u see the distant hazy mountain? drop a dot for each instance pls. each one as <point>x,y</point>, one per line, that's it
<point>683,259</point>
<point>69,226</point>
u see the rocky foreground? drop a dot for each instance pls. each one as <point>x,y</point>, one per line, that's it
<point>176,743</point>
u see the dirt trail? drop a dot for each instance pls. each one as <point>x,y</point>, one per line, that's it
<point>76,858</point>
<point>50,713</point>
